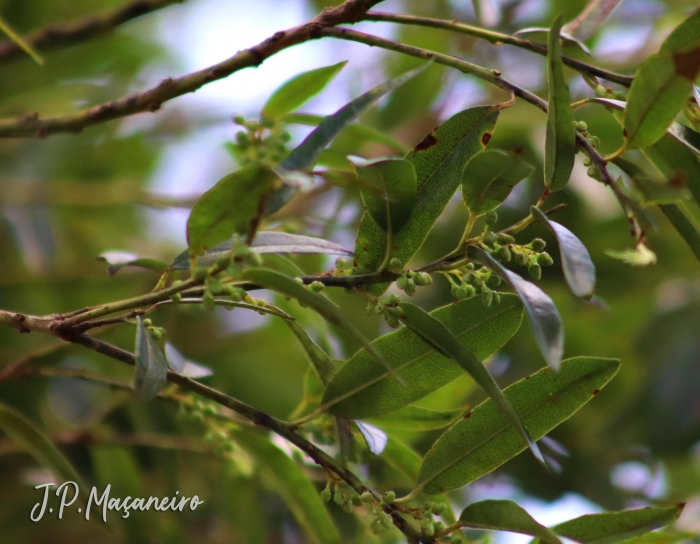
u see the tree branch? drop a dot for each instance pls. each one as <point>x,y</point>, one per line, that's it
<point>497,38</point>
<point>57,35</point>
<point>32,126</point>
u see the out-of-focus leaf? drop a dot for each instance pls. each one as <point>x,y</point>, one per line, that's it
<point>611,527</point>
<point>357,132</point>
<point>560,145</point>
<point>439,160</point>
<point>686,227</point>
<point>363,389</point>
<point>663,537</point>
<point>296,91</point>
<point>652,189</point>
<point>320,362</point>
<point>402,458</point>
<point>269,279</point>
<point>376,438</point>
<point>26,435</point>
<point>488,179</point>
<point>307,152</point>
<point>498,515</point>
<point>416,418</point>
<point>151,365</point>
<point>293,486</point>
<point>576,263</point>
<point>640,256</point>
<point>591,18</point>
<point>678,165</point>
<point>118,259</point>
<point>437,335</point>
<point>543,315</point>
<point>389,192</point>
<point>264,243</point>
<point>233,206</point>
<point>685,35</point>
<point>484,439</point>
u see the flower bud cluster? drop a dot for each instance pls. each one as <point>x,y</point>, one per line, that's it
<point>471,282</point>
<point>533,256</point>
<point>261,140</point>
<point>408,281</point>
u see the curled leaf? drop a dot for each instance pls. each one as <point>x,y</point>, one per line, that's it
<point>576,263</point>
<point>119,259</point>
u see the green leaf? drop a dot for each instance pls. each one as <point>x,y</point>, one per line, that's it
<point>293,486</point>
<point>485,439</point>
<point>576,263</point>
<point>26,435</point>
<point>498,515</point>
<point>678,165</point>
<point>685,35</point>
<point>611,527</point>
<point>659,91</point>
<point>233,205</point>
<point>320,362</point>
<point>437,335</point>
<point>488,179</point>
<point>119,259</point>
<point>296,91</point>
<point>264,243</point>
<point>416,418</point>
<point>439,160</point>
<point>560,145</point>
<point>151,365</point>
<point>306,153</point>
<point>389,191</point>
<point>363,389</point>
<point>354,131</point>
<point>653,189</point>
<point>274,281</point>
<point>678,216</point>
<point>543,315</point>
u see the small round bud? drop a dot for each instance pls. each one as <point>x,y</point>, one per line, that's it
<point>298,281</point>
<point>366,497</point>
<point>469,291</point>
<point>176,297</point>
<point>396,312</point>
<point>208,301</point>
<point>285,136</point>
<point>544,259</point>
<point>486,298</point>
<point>505,239</point>
<point>470,278</point>
<point>427,528</point>
<point>385,521</point>
<point>496,298</point>
<point>521,259</point>
<point>503,254</point>
<point>378,309</point>
<point>394,263</point>
<point>422,278</point>
<point>402,282</point>
<point>438,526</point>
<point>581,126</point>
<point>493,281</point>
<point>147,322</point>
<point>316,286</point>
<point>538,244</point>
<point>586,161</point>
<point>326,494</point>
<point>490,238</point>
<point>491,218</point>
<point>340,263</point>
<point>410,289</point>
<point>389,497</point>
<point>348,507</point>
<point>439,508</point>
<point>591,171</point>
<point>199,273</point>
<point>267,122</point>
<point>600,91</point>
<point>339,498</point>
<point>239,119</point>
<point>242,139</point>
<point>535,271</point>
<point>469,266</point>
<point>393,300</point>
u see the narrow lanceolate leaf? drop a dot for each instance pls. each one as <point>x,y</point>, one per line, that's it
<point>544,317</point>
<point>364,389</point>
<point>560,145</point>
<point>269,279</point>
<point>296,91</point>
<point>439,160</point>
<point>233,206</point>
<point>151,365</point>
<point>678,166</point>
<point>416,418</point>
<point>265,243</point>
<point>684,225</point>
<point>320,362</point>
<point>611,527</point>
<point>119,259</point>
<point>437,335</point>
<point>389,192</point>
<point>305,155</point>
<point>497,515</point>
<point>488,179</point>
<point>484,439</point>
<point>21,42</point>
<point>576,263</point>
<point>293,486</point>
<point>591,18</point>
<point>26,435</point>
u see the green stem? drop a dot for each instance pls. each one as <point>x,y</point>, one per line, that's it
<point>497,38</point>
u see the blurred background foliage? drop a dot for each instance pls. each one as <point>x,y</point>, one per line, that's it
<point>68,198</point>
